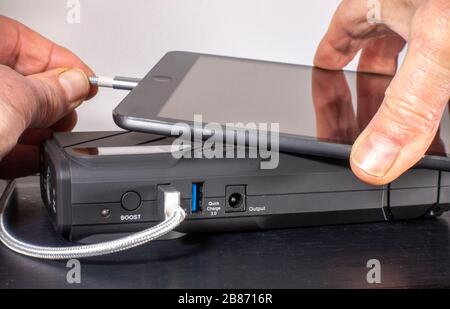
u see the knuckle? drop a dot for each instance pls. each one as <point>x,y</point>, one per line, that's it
<point>430,31</point>
<point>406,117</point>
<point>431,54</point>
<point>15,97</point>
<point>48,101</point>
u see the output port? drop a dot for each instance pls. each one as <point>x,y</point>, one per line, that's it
<point>197,190</point>
<point>235,200</point>
<point>235,197</point>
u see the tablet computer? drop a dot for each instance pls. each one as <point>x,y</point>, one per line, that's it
<point>313,111</point>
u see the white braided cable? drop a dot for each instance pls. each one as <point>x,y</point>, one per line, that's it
<point>174,216</point>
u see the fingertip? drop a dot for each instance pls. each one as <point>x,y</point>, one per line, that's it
<point>75,84</point>
<point>322,58</point>
<point>375,154</point>
<point>367,161</point>
<point>63,57</point>
<point>92,91</point>
<point>93,88</point>
<point>377,159</point>
<point>327,57</point>
<point>367,178</point>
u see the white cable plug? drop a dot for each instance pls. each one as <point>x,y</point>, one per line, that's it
<point>116,82</point>
<point>168,195</point>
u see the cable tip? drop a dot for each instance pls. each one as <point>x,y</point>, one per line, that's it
<point>93,80</point>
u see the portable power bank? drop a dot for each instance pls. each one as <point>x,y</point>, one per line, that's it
<point>105,184</point>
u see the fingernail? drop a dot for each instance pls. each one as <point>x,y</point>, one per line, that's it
<point>75,84</point>
<point>375,155</point>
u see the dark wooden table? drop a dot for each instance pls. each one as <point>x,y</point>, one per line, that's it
<point>412,254</point>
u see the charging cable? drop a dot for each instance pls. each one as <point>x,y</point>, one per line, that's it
<point>117,82</point>
<point>167,195</point>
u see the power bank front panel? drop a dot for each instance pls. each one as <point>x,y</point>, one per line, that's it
<point>111,193</point>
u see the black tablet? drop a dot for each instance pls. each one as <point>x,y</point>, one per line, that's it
<point>313,111</point>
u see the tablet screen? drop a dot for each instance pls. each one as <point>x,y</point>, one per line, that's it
<point>332,106</point>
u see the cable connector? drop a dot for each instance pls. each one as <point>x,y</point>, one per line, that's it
<point>117,82</point>
<point>174,215</point>
<point>171,198</point>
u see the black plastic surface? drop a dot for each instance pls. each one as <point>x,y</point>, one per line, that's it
<point>300,191</point>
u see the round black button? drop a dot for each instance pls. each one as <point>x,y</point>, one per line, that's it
<point>131,201</point>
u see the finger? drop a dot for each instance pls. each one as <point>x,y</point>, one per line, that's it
<point>380,55</point>
<point>335,117</point>
<point>58,92</point>
<point>66,124</point>
<point>37,101</point>
<point>28,52</point>
<point>350,31</point>
<point>404,127</point>
<point>34,136</point>
<point>37,136</point>
<point>346,35</point>
<point>437,146</point>
<point>22,161</point>
<point>370,94</point>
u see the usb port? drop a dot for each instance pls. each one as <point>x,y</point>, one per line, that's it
<point>197,197</point>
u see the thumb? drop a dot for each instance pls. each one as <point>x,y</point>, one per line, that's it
<point>36,101</point>
<point>56,93</point>
<point>406,123</point>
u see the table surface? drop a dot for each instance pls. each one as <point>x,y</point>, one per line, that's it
<point>411,254</point>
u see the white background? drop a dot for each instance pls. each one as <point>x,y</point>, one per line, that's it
<point>117,37</point>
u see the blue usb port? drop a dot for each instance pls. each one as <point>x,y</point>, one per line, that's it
<point>197,197</point>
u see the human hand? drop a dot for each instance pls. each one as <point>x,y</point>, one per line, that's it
<point>407,121</point>
<point>340,117</point>
<point>42,84</point>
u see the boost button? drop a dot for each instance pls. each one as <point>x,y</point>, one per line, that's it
<point>131,201</point>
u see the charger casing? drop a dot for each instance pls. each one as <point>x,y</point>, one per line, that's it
<point>104,184</point>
